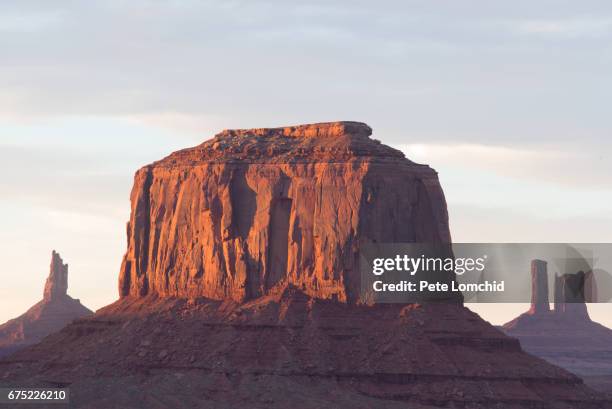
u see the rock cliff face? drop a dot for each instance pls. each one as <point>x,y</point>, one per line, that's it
<point>570,295</point>
<point>250,210</point>
<point>51,314</point>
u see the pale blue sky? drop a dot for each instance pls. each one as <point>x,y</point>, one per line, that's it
<point>508,101</point>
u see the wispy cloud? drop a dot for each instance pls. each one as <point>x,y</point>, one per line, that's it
<point>29,21</point>
<point>183,123</point>
<point>405,65</point>
<point>569,28</point>
<point>563,165</point>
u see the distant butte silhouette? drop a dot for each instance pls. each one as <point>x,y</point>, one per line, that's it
<point>565,336</point>
<point>52,313</point>
<point>240,289</point>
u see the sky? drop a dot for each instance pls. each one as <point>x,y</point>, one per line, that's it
<point>508,101</point>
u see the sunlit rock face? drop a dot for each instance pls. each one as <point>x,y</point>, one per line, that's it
<point>252,210</point>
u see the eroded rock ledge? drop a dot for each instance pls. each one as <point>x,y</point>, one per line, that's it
<point>290,350</point>
<point>322,142</point>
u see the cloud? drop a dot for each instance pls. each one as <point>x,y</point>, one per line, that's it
<point>576,167</point>
<point>481,155</point>
<point>589,27</point>
<point>183,123</point>
<point>484,223</point>
<point>15,21</point>
<point>83,224</point>
<point>522,194</point>
<point>411,67</point>
<point>56,179</point>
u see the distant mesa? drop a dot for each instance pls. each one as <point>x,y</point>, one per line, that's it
<point>51,314</point>
<point>565,336</point>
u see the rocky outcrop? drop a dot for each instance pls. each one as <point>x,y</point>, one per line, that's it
<point>291,350</point>
<point>51,314</point>
<point>239,290</point>
<point>539,287</point>
<point>566,336</point>
<point>250,210</point>
<point>56,285</point>
<point>570,296</point>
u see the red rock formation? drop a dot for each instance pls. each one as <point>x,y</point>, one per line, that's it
<point>56,285</point>
<point>51,314</point>
<point>266,224</point>
<point>566,336</point>
<point>289,350</point>
<point>539,287</point>
<point>570,296</point>
<point>253,209</point>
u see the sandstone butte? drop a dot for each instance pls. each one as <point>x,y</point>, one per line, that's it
<point>239,289</point>
<point>251,210</point>
<point>52,313</point>
<point>565,335</point>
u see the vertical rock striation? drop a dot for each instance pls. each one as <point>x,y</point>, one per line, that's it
<point>570,296</point>
<point>539,287</point>
<point>253,210</point>
<point>56,285</point>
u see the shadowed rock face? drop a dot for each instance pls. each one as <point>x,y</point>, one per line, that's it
<point>539,287</point>
<point>565,336</point>
<point>51,314</point>
<point>56,285</point>
<point>250,210</point>
<point>570,296</point>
